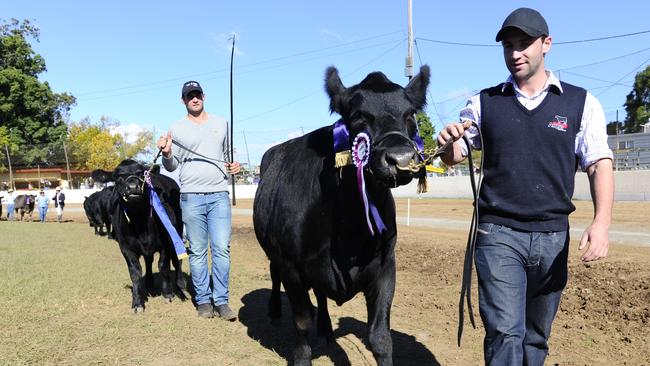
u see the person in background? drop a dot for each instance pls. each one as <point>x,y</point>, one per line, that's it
<point>42,201</point>
<point>205,203</point>
<point>536,130</point>
<point>59,203</point>
<point>10,204</point>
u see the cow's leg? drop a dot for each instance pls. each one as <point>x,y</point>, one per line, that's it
<point>165,273</point>
<point>324,323</point>
<point>275,302</point>
<point>379,298</point>
<point>303,312</point>
<point>135,272</point>
<point>109,229</point>
<point>148,274</point>
<point>178,268</point>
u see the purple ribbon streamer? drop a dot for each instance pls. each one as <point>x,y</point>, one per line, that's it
<point>179,246</point>
<point>360,162</point>
<point>361,183</point>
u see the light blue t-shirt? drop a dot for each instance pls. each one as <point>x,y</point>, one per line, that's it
<point>199,174</point>
<point>42,201</point>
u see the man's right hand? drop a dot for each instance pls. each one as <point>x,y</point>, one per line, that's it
<point>453,132</point>
<point>165,144</point>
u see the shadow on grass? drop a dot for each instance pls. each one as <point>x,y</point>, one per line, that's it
<point>155,288</point>
<point>406,349</point>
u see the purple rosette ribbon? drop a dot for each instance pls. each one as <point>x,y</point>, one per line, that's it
<point>360,157</point>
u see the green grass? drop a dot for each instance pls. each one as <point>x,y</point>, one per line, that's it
<point>65,300</point>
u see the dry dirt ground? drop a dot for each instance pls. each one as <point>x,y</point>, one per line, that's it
<point>604,318</point>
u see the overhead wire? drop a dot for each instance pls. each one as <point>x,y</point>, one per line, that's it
<point>239,72</point>
<point>224,70</point>
<point>624,76</point>
<point>320,89</point>
<point>555,43</point>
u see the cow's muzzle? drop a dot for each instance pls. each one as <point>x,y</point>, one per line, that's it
<point>133,188</point>
<point>396,157</point>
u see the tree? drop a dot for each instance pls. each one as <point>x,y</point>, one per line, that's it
<point>637,104</point>
<point>97,146</point>
<point>32,114</point>
<point>427,131</point>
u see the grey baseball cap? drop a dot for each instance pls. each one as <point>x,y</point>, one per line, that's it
<point>527,20</point>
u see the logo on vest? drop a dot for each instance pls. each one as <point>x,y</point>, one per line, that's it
<point>559,123</point>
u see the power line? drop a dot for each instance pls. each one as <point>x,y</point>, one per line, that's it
<point>624,76</point>
<point>242,67</point>
<point>604,61</point>
<point>356,49</point>
<point>555,43</point>
<point>596,79</point>
<point>433,103</point>
<point>320,89</point>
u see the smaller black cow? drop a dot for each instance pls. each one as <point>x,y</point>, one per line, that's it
<point>99,207</point>
<point>139,231</point>
<point>24,204</point>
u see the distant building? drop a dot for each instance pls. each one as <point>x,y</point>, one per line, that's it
<point>631,150</point>
<point>46,178</point>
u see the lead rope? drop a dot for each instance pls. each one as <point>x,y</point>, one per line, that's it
<point>466,282</point>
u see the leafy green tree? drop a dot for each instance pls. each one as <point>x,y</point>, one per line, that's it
<point>637,104</point>
<point>427,131</point>
<point>31,113</point>
<point>96,146</point>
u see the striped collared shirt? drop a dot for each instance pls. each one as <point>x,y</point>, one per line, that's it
<point>591,141</point>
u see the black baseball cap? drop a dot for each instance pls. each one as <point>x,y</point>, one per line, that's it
<point>191,86</point>
<point>527,20</point>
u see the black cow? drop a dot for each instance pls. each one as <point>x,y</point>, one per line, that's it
<point>24,204</point>
<point>310,219</point>
<point>139,231</point>
<point>98,207</point>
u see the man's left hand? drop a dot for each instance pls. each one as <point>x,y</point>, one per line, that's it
<point>596,240</point>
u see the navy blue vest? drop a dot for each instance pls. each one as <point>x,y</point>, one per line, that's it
<point>529,158</point>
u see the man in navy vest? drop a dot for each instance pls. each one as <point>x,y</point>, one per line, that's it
<point>535,132</point>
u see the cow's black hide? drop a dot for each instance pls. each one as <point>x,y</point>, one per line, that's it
<point>24,204</point>
<point>139,231</point>
<point>99,207</point>
<point>309,216</point>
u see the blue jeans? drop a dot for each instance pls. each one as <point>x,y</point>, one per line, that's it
<point>10,211</point>
<point>208,216</point>
<point>42,212</point>
<point>521,276</point>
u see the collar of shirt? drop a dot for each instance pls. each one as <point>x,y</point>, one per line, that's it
<point>534,100</point>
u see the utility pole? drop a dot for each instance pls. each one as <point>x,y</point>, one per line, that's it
<point>408,70</point>
<point>67,165</point>
<point>616,148</point>
<point>11,177</point>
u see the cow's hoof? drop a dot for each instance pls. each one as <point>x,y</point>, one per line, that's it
<point>138,309</point>
<point>168,300</point>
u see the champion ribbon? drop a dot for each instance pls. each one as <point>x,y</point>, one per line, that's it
<point>360,157</point>
<point>179,246</point>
